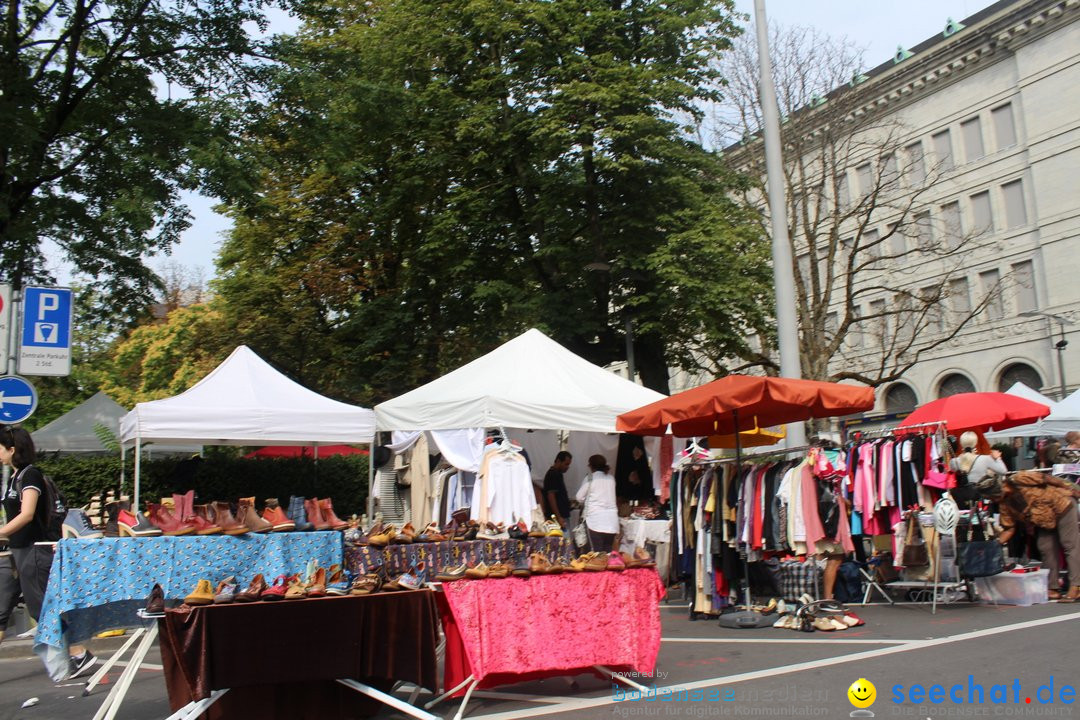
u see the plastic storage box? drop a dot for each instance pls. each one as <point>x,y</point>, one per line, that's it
<point>1010,588</point>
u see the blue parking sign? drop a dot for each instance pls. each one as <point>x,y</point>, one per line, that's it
<point>45,340</point>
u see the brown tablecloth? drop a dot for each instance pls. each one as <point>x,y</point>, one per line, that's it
<point>280,659</point>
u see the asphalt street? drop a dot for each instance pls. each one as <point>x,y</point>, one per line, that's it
<point>966,661</point>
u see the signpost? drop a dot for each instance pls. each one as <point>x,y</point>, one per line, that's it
<point>18,399</point>
<point>45,347</point>
<point>5,326</point>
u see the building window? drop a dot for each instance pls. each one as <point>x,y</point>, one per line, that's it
<point>971,132</point>
<point>954,385</point>
<point>854,335</point>
<point>930,297</point>
<point>1004,127</point>
<point>865,177</point>
<point>990,281</point>
<point>916,164</point>
<point>959,299</point>
<point>889,172</point>
<point>980,210</point>
<point>879,326</point>
<point>951,225</point>
<point>924,233</point>
<point>871,240</point>
<point>943,150</point>
<point>900,398</point>
<point>804,269</point>
<point>1023,274</point>
<point>1019,372</point>
<point>1015,212</point>
<point>843,195</point>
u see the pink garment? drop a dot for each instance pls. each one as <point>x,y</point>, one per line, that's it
<point>513,629</point>
<point>865,480</point>
<point>812,520</point>
<point>886,468</point>
<point>667,457</point>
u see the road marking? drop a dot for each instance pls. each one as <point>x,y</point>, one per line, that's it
<point>587,703</point>
<point>791,641</point>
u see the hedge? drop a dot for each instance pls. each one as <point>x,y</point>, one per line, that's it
<point>343,479</point>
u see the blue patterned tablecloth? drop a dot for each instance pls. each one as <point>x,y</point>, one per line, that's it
<point>99,585</point>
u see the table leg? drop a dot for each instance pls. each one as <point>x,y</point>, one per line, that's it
<point>432,703</point>
<point>93,681</point>
<point>111,706</point>
<point>195,708</point>
<point>387,699</point>
<point>621,678</point>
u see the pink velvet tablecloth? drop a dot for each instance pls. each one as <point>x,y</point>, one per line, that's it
<point>515,629</point>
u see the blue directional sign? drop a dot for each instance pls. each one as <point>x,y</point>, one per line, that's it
<point>45,340</point>
<point>18,399</point>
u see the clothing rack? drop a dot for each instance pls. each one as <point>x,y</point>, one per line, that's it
<point>898,428</point>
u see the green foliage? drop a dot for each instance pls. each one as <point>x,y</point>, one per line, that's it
<point>344,479</point>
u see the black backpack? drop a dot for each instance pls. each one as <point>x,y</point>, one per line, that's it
<point>57,509</point>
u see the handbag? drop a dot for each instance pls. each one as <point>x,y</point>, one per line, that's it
<point>915,553</point>
<point>938,478</point>
<point>980,558</point>
<point>581,530</point>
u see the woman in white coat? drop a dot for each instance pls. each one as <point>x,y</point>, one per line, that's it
<point>597,496</point>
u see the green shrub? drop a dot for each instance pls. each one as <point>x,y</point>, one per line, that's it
<point>344,479</point>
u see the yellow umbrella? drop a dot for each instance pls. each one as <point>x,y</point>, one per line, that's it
<point>758,437</point>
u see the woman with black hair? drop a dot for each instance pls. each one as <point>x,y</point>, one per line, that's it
<point>27,512</point>
<point>597,496</point>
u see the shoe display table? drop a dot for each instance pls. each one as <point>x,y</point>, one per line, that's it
<point>298,658</point>
<point>100,584</point>
<point>437,556</point>
<point>514,629</point>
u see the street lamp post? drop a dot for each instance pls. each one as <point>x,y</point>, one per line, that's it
<point>1060,345</point>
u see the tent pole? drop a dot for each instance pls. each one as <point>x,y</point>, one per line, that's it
<point>371,480</point>
<point>138,455</point>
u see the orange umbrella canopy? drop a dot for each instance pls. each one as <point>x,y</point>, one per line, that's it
<point>978,411</point>
<point>743,402</point>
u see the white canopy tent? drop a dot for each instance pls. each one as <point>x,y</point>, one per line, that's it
<point>245,401</point>
<point>529,382</point>
<point>76,430</point>
<point>1064,415</point>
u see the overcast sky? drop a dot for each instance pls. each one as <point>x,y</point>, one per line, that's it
<point>878,27</point>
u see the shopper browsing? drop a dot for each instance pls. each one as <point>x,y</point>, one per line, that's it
<point>27,523</point>
<point>1049,504</point>
<point>558,501</point>
<point>975,466</point>
<point>597,496</point>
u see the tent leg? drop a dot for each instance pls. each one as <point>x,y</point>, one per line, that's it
<point>138,455</point>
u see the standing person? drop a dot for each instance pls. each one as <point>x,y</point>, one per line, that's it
<point>1071,452</point>
<point>975,466</point>
<point>9,590</point>
<point>27,514</point>
<point>558,501</point>
<point>1049,504</point>
<point>597,495</point>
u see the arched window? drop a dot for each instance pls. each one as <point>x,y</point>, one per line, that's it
<point>900,398</point>
<point>1019,372</point>
<point>953,385</point>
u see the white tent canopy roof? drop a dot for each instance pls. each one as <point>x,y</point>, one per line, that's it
<point>529,382</point>
<point>75,431</point>
<point>245,401</point>
<point>1064,416</point>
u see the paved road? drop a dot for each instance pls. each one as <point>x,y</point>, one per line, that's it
<point>752,673</point>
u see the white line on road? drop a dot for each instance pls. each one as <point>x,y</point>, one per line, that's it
<point>584,704</point>
<point>791,641</point>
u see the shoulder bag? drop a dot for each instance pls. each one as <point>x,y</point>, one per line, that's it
<point>915,553</point>
<point>581,530</point>
<point>980,558</point>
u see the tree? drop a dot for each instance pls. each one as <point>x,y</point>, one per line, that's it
<point>469,169</point>
<point>858,212</point>
<point>102,106</point>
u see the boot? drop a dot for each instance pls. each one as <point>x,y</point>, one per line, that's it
<point>131,524</point>
<point>77,525</point>
<point>112,529</point>
<point>273,514</point>
<point>327,507</point>
<point>314,514</point>
<point>202,525</point>
<point>298,515</point>
<point>248,516</point>
<point>223,518</point>
<point>163,518</point>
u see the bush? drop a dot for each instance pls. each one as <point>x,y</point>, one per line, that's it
<point>342,478</point>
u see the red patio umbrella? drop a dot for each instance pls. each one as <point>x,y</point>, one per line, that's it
<point>978,411</point>
<point>296,451</point>
<point>743,402</point>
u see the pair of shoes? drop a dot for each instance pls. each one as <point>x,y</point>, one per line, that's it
<point>1072,596</point>
<point>490,531</point>
<point>537,530</point>
<point>552,528</point>
<point>77,525</point>
<point>594,561</point>
<point>785,622</point>
<point>828,624</point>
<point>366,584</point>
<point>405,536</point>
<point>539,564</point>
<point>431,534</point>
<point>278,519</point>
<point>518,531</point>
<point>320,513</point>
<point>298,513</point>
<point>80,664</point>
<point>414,579</point>
<point>450,574</point>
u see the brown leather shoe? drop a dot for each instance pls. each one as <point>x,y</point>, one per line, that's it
<point>382,538</point>
<point>595,561</point>
<point>314,514</point>
<point>169,523</point>
<point>296,590</point>
<point>273,514</point>
<point>316,586</point>
<point>220,513</point>
<point>499,570</point>
<point>254,590</point>
<point>538,564</point>
<point>406,536</point>
<point>247,515</point>
<point>326,505</point>
<point>478,572</point>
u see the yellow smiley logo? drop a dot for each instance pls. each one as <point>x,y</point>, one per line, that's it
<point>862,693</point>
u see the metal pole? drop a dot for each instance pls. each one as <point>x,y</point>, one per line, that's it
<point>631,369</point>
<point>1060,347</point>
<point>787,324</point>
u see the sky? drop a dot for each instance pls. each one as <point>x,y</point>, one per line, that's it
<point>878,26</point>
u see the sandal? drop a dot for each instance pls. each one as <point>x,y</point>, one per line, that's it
<point>823,624</point>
